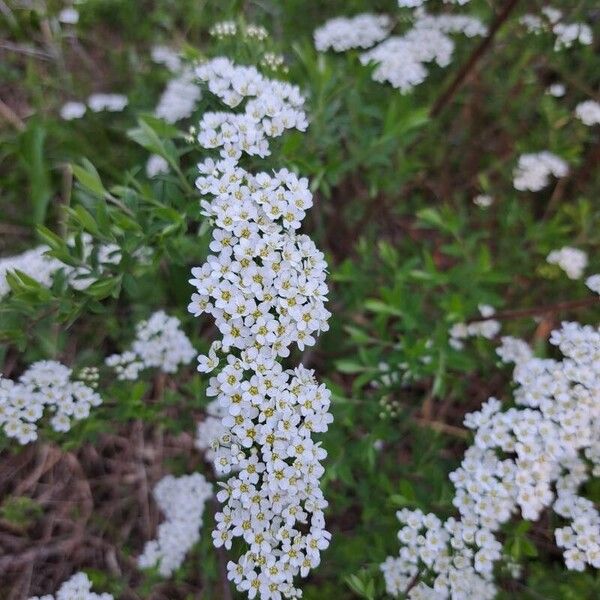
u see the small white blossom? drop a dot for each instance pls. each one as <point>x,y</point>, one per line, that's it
<point>533,170</point>
<point>72,110</point>
<point>107,102</point>
<point>588,112</point>
<point>571,260</point>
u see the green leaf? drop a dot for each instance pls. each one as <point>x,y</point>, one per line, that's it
<point>33,160</point>
<point>89,179</point>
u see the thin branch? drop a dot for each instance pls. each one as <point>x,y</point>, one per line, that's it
<point>446,97</point>
<point>9,115</point>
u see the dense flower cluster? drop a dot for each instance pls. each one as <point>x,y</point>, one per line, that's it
<point>362,31</point>
<point>265,287</point>
<point>400,60</point>
<point>45,384</point>
<point>79,587</point>
<point>571,260</point>
<point>159,343</point>
<point>525,459</point>
<point>588,112</point>
<point>566,33</point>
<point>182,501</point>
<point>487,328</point>
<point>533,170</point>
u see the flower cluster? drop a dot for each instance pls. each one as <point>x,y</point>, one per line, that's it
<point>96,103</point>
<point>362,31</point>
<point>179,99</point>
<point>68,16</point>
<point>159,343</point>
<point>79,587</point>
<point>524,459</point>
<point>274,62</point>
<point>265,287</point>
<point>487,328</point>
<point>36,264</point>
<point>45,384</point>
<point>588,112</point>
<point>182,501</point>
<point>533,170</point>
<point>566,33</point>
<point>400,60</point>
<point>223,29</point>
<point>571,260</point>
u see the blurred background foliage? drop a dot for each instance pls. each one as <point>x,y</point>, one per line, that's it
<point>409,252</point>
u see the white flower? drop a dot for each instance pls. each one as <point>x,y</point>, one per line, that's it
<point>264,285</point>
<point>593,283</point>
<point>571,260</point>
<point>69,16</point>
<point>156,165</point>
<point>108,102</point>
<point>163,55</point>
<point>526,458</point>
<point>182,501</point>
<point>77,588</point>
<point>557,90</point>
<point>588,112</point>
<point>534,170</point>
<point>159,343</point>
<point>400,60</point>
<point>483,200</point>
<point>45,384</point>
<point>72,110</point>
<point>343,33</point>
<point>179,99</point>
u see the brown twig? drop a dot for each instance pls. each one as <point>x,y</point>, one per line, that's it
<point>9,115</point>
<point>446,96</point>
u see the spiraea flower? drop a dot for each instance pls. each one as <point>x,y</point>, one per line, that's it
<point>264,285</point>
<point>181,500</point>
<point>79,587</point>
<point>533,170</point>
<point>571,260</point>
<point>400,60</point>
<point>159,343</point>
<point>532,456</point>
<point>588,112</point>
<point>107,102</point>
<point>362,31</point>
<point>46,386</point>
